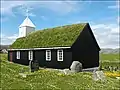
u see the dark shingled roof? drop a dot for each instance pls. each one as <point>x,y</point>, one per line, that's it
<point>52,37</point>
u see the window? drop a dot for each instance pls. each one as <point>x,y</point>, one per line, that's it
<point>18,55</point>
<point>30,55</point>
<point>48,55</point>
<point>60,55</point>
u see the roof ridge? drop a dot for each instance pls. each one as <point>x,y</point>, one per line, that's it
<point>62,26</point>
<point>27,22</point>
<point>50,37</point>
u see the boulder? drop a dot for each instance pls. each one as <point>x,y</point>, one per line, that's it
<point>76,66</point>
<point>98,75</point>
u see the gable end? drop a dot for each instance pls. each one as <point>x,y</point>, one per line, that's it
<point>90,30</point>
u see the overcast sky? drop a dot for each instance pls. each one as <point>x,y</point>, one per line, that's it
<point>101,15</point>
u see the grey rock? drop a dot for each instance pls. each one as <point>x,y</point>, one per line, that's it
<point>4,51</point>
<point>98,75</point>
<point>76,66</point>
<point>67,71</point>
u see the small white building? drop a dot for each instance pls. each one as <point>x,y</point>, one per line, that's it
<point>26,27</point>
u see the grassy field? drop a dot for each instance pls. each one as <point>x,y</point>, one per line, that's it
<point>50,80</point>
<point>110,60</point>
<point>109,57</point>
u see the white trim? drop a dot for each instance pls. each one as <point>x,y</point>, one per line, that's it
<point>94,68</point>
<point>18,55</point>
<point>30,55</point>
<point>48,55</point>
<point>58,55</point>
<point>41,48</point>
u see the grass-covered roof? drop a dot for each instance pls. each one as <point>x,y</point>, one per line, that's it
<point>52,37</point>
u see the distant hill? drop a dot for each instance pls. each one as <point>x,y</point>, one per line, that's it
<point>4,46</point>
<point>109,50</point>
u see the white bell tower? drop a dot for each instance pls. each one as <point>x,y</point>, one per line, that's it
<point>26,27</point>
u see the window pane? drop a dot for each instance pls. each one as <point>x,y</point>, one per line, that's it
<point>48,55</point>
<point>30,55</point>
<point>60,55</point>
<point>18,54</point>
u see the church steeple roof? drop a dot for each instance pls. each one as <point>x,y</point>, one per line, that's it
<point>27,22</point>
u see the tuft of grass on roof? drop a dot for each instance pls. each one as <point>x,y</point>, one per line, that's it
<point>51,37</point>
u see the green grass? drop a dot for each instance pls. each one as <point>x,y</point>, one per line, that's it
<point>58,36</point>
<point>50,80</point>
<point>3,57</point>
<point>110,57</point>
<point>110,60</point>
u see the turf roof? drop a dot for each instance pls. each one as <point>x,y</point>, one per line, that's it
<point>51,37</point>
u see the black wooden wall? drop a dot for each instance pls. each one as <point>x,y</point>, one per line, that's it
<point>40,55</point>
<point>85,49</point>
<point>23,57</point>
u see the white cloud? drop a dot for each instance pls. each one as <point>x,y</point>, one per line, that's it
<point>115,31</point>
<point>61,7</point>
<point>7,7</point>
<point>12,8</point>
<point>7,40</point>
<point>23,10</point>
<point>99,26</point>
<point>107,35</point>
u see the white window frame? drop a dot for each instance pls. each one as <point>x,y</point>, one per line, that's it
<point>48,56</point>
<point>30,54</point>
<point>18,54</point>
<point>59,56</point>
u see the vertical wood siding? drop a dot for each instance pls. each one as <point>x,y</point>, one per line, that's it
<point>85,49</point>
<point>41,57</point>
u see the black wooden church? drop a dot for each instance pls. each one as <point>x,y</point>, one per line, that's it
<point>56,47</point>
